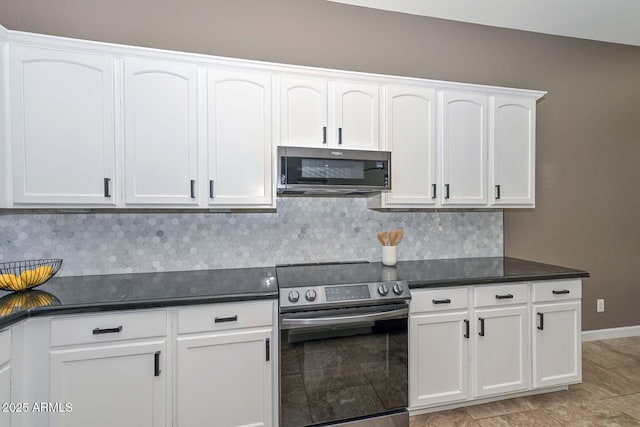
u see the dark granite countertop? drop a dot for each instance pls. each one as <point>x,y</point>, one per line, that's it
<point>76,294</point>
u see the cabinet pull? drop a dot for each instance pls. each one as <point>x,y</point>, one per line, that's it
<point>211,189</point>
<point>446,191</point>
<point>156,364</point>
<point>193,188</point>
<point>498,192</point>
<point>226,319</point>
<point>442,301</point>
<point>340,136</point>
<point>107,187</point>
<point>507,296</point>
<point>267,345</point>
<point>481,333</point>
<point>541,325</point>
<point>324,134</point>
<point>433,191</point>
<point>466,328</point>
<point>564,291</point>
<point>100,331</point>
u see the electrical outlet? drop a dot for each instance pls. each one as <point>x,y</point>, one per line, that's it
<point>600,305</point>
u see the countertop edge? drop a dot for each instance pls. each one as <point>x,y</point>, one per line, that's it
<point>417,284</point>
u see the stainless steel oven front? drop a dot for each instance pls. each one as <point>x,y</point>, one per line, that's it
<point>345,366</point>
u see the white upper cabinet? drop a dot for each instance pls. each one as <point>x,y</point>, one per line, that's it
<point>512,151</point>
<point>239,142</point>
<point>326,114</point>
<point>357,116</point>
<point>62,122</point>
<point>303,111</point>
<point>410,136</point>
<point>463,143</point>
<point>161,144</point>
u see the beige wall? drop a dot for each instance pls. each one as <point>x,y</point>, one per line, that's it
<point>588,200</point>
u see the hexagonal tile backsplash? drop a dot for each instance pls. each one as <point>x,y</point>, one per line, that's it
<point>302,230</point>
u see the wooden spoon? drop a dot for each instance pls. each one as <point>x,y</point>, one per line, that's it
<point>381,237</point>
<point>399,236</point>
<point>385,237</point>
<point>392,237</point>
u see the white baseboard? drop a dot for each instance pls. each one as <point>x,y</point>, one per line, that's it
<point>603,334</point>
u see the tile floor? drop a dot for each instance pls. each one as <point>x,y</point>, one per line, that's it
<point>609,396</point>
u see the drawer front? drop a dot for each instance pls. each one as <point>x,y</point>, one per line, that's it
<point>556,290</point>
<point>5,346</point>
<point>440,299</point>
<point>507,294</point>
<point>113,326</point>
<point>219,317</point>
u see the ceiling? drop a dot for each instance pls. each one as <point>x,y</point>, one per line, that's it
<point>616,21</point>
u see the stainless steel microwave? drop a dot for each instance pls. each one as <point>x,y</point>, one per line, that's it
<point>325,171</point>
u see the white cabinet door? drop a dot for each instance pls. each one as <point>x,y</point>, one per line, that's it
<point>62,121</point>
<point>556,344</point>
<point>463,136</point>
<point>303,112</point>
<point>410,126</point>
<point>240,149</point>
<point>161,150</point>
<point>512,151</point>
<point>438,365</point>
<point>5,394</point>
<point>357,116</point>
<point>501,362</point>
<point>110,386</point>
<point>224,379</point>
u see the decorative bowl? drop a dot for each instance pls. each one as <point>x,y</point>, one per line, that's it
<point>22,275</point>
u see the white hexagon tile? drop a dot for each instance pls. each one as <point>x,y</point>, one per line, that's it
<point>302,230</point>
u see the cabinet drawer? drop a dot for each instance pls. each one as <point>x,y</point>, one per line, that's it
<point>113,326</point>
<point>5,346</point>
<point>219,317</point>
<point>556,290</point>
<point>438,299</point>
<point>512,293</point>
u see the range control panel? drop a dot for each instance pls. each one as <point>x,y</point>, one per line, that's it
<point>346,295</point>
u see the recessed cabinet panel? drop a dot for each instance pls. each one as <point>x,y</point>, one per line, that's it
<point>5,393</point>
<point>411,140</point>
<point>303,110</point>
<point>464,149</point>
<point>356,116</point>
<point>239,108</point>
<point>62,120</point>
<point>160,132</point>
<point>512,151</point>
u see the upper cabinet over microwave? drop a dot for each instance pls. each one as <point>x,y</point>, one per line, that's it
<point>319,113</point>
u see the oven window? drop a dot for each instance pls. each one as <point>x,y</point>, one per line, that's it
<point>340,372</point>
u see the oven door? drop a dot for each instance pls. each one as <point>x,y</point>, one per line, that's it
<point>343,365</point>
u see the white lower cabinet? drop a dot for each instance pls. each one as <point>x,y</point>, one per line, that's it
<point>113,385</point>
<point>5,376</point>
<point>472,343</point>
<point>224,365</point>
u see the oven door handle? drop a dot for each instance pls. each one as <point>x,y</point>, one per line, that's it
<point>327,321</point>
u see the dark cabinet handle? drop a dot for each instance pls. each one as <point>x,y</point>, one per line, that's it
<point>156,364</point>
<point>340,136</point>
<point>541,318</point>
<point>564,291</point>
<point>211,189</point>
<point>193,188</point>
<point>481,333</point>
<point>226,319</point>
<point>441,301</point>
<point>497,192</point>
<point>466,328</point>
<point>324,134</point>
<point>433,191</point>
<point>107,187</point>
<point>507,296</point>
<point>100,331</point>
<point>446,191</point>
<point>268,349</point>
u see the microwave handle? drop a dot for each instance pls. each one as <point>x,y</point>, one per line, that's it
<point>289,323</point>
